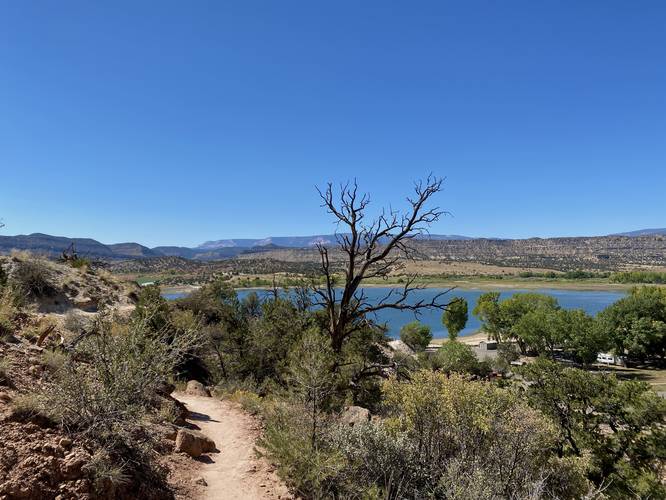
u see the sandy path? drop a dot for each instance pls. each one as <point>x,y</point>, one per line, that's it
<point>235,472</point>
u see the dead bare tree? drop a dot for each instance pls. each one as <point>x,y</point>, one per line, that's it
<point>372,250</point>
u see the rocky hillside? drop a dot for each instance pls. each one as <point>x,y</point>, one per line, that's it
<point>604,253</point>
<point>45,310</point>
<point>52,287</point>
<point>596,253</point>
<point>607,253</point>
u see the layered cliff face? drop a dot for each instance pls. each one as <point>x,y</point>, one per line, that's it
<point>599,253</point>
<point>604,253</point>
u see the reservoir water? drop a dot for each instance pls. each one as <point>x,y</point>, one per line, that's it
<point>590,301</point>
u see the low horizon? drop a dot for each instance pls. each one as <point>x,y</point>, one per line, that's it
<point>647,231</point>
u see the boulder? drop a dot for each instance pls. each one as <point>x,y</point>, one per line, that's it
<point>181,412</point>
<point>398,346</point>
<point>353,415</point>
<point>195,388</point>
<point>193,443</point>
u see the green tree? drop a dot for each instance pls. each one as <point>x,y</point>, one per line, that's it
<point>311,379</point>
<point>273,331</point>
<point>636,325</point>
<point>500,318</point>
<point>582,338</point>
<point>507,352</point>
<point>456,357</point>
<point>455,317</point>
<point>416,335</point>
<point>538,331</point>
<point>620,424</point>
<point>152,308</point>
<point>487,309</point>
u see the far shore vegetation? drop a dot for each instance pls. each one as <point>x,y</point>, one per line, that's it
<point>575,280</point>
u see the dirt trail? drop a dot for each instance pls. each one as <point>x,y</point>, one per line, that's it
<point>235,472</point>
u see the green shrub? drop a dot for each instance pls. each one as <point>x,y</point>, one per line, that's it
<point>228,387</point>
<point>416,335</point>
<point>308,467</point>
<point>106,474</point>
<point>456,357</point>
<point>54,361</point>
<point>6,327</point>
<point>8,311</point>
<point>106,397</point>
<point>648,277</point>
<point>249,401</point>
<point>618,424</point>
<point>168,412</point>
<point>30,406</point>
<point>377,459</point>
<point>507,352</point>
<point>79,263</point>
<point>34,277</point>
<point>466,436</point>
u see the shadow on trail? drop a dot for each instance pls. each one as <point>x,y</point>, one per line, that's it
<point>202,417</point>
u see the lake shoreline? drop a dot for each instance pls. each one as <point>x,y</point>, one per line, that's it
<point>463,285</point>
<point>591,301</point>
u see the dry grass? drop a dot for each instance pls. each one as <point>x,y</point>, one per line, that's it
<point>654,376</point>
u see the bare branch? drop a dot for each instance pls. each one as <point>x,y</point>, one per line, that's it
<point>372,249</point>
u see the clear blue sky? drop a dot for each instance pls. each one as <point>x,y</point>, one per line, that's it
<point>170,122</point>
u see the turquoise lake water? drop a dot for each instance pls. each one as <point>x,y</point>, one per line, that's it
<point>590,301</point>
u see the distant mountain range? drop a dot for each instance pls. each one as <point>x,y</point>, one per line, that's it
<point>300,241</point>
<point>210,250</point>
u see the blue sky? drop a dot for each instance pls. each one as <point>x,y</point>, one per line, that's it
<point>178,122</point>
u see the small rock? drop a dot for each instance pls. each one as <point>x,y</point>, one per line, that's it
<point>200,481</point>
<point>35,370</point>
<point>195,388</point>
<point>353,415</point>
<point>65,442</point>
<point>193,443</point>
<point>72,467</point>
<point>5,398</point>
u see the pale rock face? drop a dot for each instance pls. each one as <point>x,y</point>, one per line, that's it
<point>197,389</point>
<point>401,347</point>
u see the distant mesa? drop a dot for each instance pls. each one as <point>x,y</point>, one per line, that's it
<point>301,241</point>
<point>643,232</point>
